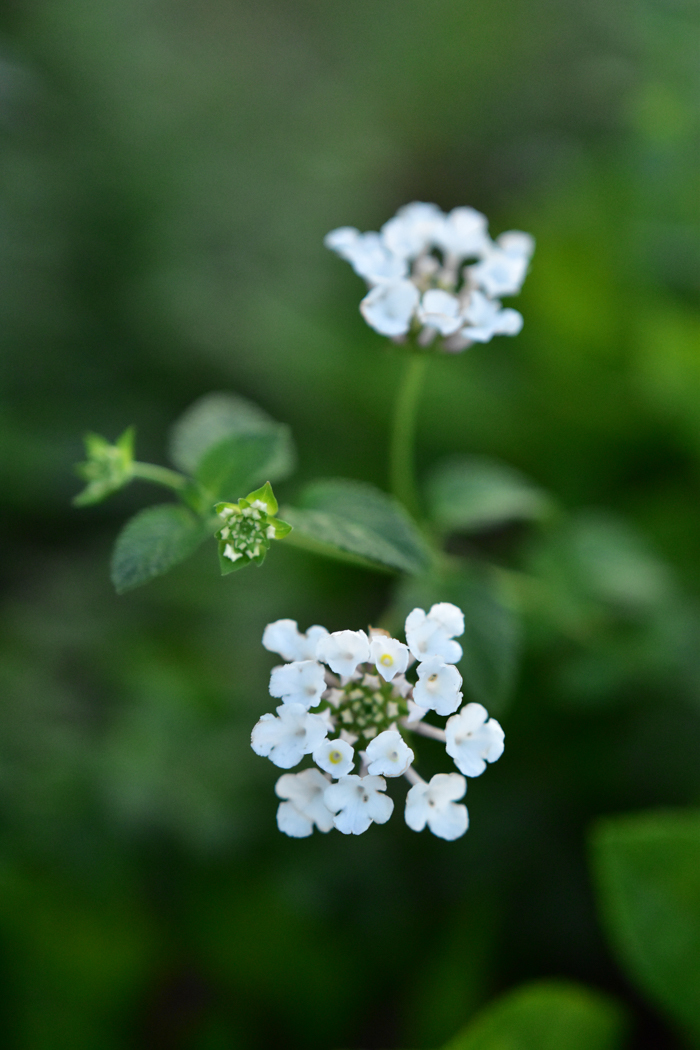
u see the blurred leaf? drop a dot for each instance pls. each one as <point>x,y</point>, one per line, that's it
<point>594,565</point>
<point>647,869</point>
<point>214,418</point>
<point>473,492</point>
<point>491,639</point>
<point>340,518</point>
<point>545,1015</point>
<point>231,467</point>
<point>152,542</point>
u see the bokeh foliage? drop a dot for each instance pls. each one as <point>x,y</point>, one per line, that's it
<point>168,172</point>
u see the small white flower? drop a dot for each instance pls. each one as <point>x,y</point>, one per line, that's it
<point>449,617</point>
<point>336,757</point>
<point>304,806</point>
<point>428,636</point>
<point>504,266</point>
<point>357,802</point>
<point>388,655</point>
<point>388,754</point>
<point>440,310</point>
<point>284,637</point>
<point>301,682</point>
<point>413,229</point>
<point>434,804</point>
<point>389,308</point>
<point>463,233</point>
<point>343,651</point>
<point>515,242</point>
<point>288,736</point>
<point>368,254</point>
<point>486,318</point>
<point>438,686</point>
<point>472,741</point>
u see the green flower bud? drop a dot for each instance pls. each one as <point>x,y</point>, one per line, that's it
<point>249,527</point>
<point>107,467</point>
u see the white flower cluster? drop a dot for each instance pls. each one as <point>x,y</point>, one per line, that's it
<point>362,699</point>
<point>418,280</point>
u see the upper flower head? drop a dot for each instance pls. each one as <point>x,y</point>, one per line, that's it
<point>418,284</point>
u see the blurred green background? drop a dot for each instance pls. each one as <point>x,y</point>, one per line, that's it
<point>168,172</point>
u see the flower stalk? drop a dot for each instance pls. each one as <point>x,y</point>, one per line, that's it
<point>403,434</point>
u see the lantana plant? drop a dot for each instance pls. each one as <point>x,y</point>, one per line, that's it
<point>355,703</point>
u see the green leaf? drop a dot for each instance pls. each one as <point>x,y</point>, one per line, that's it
<point>152,542</point>
<point>214,418</point>
<point>230,468</point>
<point>545,1015</point>
<point>596,557</point>
<point>472,492</point>
<point>492,636</point>
<point>350,519</point>
<point>647,869</point>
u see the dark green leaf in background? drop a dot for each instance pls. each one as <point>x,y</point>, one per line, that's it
<point>546,1015</point>
<point>340,517</point>
<point>473,492</point>
<point>218,417</point>
<point>229,468</point>
<point>647,869</point>
<point>152,542</point>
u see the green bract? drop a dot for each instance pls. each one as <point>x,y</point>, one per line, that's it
<point>249,527</point>
<point>107,467</point>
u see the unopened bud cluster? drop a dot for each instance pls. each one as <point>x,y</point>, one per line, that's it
<point>365,709</point>
<point>248,528</point>
<point>419,283</point>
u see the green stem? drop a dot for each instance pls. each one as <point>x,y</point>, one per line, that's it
<point>159,475</point>
<point>403,434</point>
